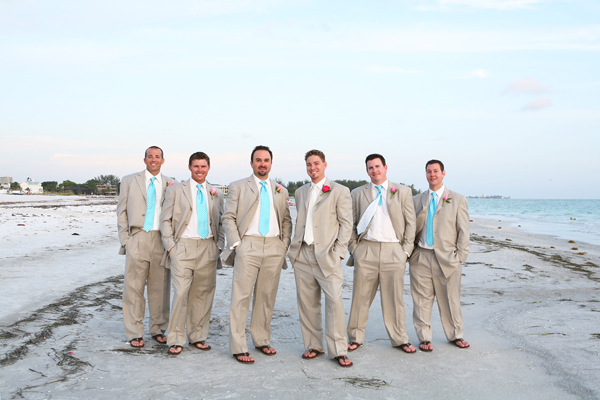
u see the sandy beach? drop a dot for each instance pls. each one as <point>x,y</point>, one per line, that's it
<point>531,307</point>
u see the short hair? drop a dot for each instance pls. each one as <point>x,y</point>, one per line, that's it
<point>435,162</point>
<point>266,148</point>
<point>374,156</point>
<point>154,147</point>
<point>199,156</point>
<point>315,153</point>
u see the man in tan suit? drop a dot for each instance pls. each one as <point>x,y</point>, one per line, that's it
<point>190,224</point>
<point>323,229</point>
<point>442,242</point>
<point>382,240</point>
<point>258,227</point>
<point>138,211</point>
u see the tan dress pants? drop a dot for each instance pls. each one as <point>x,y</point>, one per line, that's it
<point>378,264</point>
<point>144,252</point>
<point>309,283</point>
<point>427,281</point>
<point>194,276</point>
<point>257,267</point>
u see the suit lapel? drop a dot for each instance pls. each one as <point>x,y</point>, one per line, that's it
<point>275,206</point>
<point>441,201</point>
<point>141,180</point>
<point>322,195</point>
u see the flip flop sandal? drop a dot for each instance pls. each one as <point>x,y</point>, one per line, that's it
<point>316,353</point>
<point>456,341</point>
<point>160,336</point>
<point>201,342</point>
<point>404,347</point>
<point>266,347</point>
<point>425,343</point>
<point>176,347</point>
<point>139,340</point>
<point>236,356</point>
<point>357,346</point>
<point>343,358</point>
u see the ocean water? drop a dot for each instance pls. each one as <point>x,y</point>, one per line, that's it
<point>550,217</point>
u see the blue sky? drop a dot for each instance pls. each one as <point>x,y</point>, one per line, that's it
<point>505,92</point>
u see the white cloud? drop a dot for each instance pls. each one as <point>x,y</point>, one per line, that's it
<point>526,86</point>
<point>382,69</point>
<point>478,73</point>
<point>537,104</point>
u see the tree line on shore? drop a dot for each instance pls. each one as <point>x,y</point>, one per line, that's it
<point>104,184</point>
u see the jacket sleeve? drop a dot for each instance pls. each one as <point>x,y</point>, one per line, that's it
<point>345,218</point>
<point>286,234</point>
<point>122,220</point>
<point>166,219</point>
<point>230,215</point>
<point>410,221</point>
<point>462,229</point>
<point>355,217</point>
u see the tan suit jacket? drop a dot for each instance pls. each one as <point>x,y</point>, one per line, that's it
<point>450,228</point>
<point>241,205</point>
<point>332,222</point>
<point>177,211</point>
<point>131,209</point>
<point>401,210</point>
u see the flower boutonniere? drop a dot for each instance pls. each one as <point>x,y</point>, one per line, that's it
<point>447,199</point>
<point>213,192</point>
<point>278,188</point>
<point>325,189</point>
<point>170,183</point>
<point>393,190</point>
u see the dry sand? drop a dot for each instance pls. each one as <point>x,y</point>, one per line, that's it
<point>531,307</point>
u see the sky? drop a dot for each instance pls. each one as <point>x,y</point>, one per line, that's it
<point>505,92</point>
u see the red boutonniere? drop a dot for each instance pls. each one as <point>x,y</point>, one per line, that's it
<point>279,188</point>
<point>447,199</point>
<point>393,190</point>
<point>325,189</point>
<point>213,191</point>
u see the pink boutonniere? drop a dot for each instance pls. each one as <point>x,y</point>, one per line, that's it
<point>393,190</point>
<point>279,188</point>
<point>213,191</point>
<point>170,183</point>
<point>447,199</point>
<point>325,189</point>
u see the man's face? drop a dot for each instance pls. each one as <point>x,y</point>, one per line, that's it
<point>377,171</point>
<point>315,168</point>
<point>435,176</point>
<point>199,170</point>
<point>153,161</point>
<point>261,164</point>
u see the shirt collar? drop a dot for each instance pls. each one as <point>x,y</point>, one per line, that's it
<point>438,192</point>
<point>320,183</point>
<point>149,176</point>
<point>258,181</point>
<point>195,184</point>
<point>384,185</point>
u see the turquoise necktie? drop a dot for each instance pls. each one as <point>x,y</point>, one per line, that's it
<point>379,187</point>
<point>430,214</point>
<point>202,213</point>
<point>264,221</point>
<point>150,206</point>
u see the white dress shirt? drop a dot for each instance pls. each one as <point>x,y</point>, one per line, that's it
<point>315,190</point>
<point>191,231</point>
<point>158,188</point>
<point>381,228</point>
<point>438,198</point>
<point>273,225</point>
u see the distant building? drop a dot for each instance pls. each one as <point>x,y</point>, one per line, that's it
<point>6,180</point>
<point>32,187</point>
<point>484,196</point>
<point>222,188</point>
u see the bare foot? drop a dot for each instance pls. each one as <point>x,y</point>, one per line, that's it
<point>200,345</point>
<point>426,346</point>
<point>137,342</point>
<point>175,350</point>
<point>160,338</point>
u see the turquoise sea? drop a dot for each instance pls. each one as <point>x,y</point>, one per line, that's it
<point>550,217</point>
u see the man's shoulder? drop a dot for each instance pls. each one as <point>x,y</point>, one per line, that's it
<point>399,186</point>
<point>420,195</point>
<point>168,179</point>
<point>239,182</point>
<point>457,196</point>
<point>130,177</point>
<point>359,189</point>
